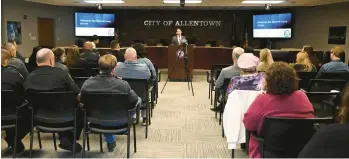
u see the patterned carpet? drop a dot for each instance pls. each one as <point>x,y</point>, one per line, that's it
<point>182,127</point>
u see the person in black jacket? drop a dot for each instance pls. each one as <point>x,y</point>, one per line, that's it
<point>88,54</point>
<point>46,77</point>
<point>13,61</point>
<point>73,59</point>
<point>105,82</point>
<point>116,51</point>
<point>11,79</point>
<point>32,59</point>
<point>331,141</point>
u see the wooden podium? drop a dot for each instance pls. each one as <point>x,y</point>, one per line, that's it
<point>178,73</point>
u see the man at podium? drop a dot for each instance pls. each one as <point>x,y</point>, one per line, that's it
<point>178,39</point>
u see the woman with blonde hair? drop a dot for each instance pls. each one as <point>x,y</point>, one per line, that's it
<point>265,60</point>
<point>73,59</point>
<point>303,63</point>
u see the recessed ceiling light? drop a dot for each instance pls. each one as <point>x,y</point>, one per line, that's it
<point>262,2</point>
<point>104,1</point>
<point>178,1</point>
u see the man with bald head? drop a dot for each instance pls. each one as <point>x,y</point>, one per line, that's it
<point>88,54</point>
<point>47,77</point>
<point>132,69</point>
<point>15,62</point>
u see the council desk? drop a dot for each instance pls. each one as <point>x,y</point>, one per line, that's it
<point>205,57</point>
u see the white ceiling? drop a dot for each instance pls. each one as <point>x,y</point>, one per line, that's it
<point>205,3</point>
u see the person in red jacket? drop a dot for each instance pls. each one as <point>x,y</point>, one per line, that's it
<point>282,99</point>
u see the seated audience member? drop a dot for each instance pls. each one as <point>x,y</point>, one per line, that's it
<point>312,56</point>
<point>73,59</point>
<point>105,82</point>
<point>132,69</point>
<point>229,72</point>
<point>331,141</point>
<point>49,78</point>
<point>18,55</point>
<point>282,99</point>
<point>303,63</point>
<point>11,79</point>
<point>94,41</point>
<point>13,61</point>
<point>59,57</point>
<point>248,49</point>
<point>32,59</point>
<point>336,65</point>
<point>88,54</point>
<point>266,59</point>
<point>249,79</point>
<point>116,51</point>
<point>141,56</point>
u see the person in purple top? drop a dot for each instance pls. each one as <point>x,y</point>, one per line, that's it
<point>249,79</point>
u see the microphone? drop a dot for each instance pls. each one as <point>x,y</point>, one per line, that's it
<point>184,42</point>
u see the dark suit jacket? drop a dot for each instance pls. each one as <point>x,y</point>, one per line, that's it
<point>119,55</point>
<point>11,79</point>
<point>175,40</point>
<point>80,63</point>
<point>90,56</point>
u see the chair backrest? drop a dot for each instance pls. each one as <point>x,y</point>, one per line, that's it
<point>156,67</point>
<point>80,72</point>
<point>317,99</point>
<point>140,86</point>
<point>335,75</point>
<point>95,71</point>
<point>79,81</point>
<point>286,137</point>
<point>325,85</point>
<point>305,78</point>
<point>9,102</point>
<point>217,67</point>
<point>106,107</point>
<point>53,105</point>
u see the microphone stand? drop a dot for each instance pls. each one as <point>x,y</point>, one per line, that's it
<point>186,68</point>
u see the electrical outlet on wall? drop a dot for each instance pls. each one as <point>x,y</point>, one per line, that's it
<point>58,38</point>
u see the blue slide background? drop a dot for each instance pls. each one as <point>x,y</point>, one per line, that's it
<point>272,17</point>
<point>94,16</point>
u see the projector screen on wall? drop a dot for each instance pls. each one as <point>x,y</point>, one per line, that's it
<point>89,24</point>
<point>272,25</point>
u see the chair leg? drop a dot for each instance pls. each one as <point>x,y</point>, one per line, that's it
<point>54,140</point>
<point>39,139</point>
<point>134,138</point>
<point>15,140</point>
<point>128,142</point>
<point>146,123</point>
<point>232,153</point>
<point>100,142</point>
<point>148,115</point>
<point>211,94</point>
<point>31,141</point>
<point>209,91</point>
<point>222,130</point>
<point>84,136</point>
<point>74,145</point>
<point>88,142</point>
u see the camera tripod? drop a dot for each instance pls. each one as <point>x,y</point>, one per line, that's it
<point>186,68</point>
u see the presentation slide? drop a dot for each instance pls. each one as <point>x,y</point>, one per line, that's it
<point>272,25</point>
<point>89,24</point>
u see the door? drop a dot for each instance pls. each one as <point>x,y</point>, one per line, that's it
<point>46,32</point>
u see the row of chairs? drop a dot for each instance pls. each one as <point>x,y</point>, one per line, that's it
<point>318,93</point>
<point>139,86</point>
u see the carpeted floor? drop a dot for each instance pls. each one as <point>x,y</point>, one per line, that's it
<point>182,127</point>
